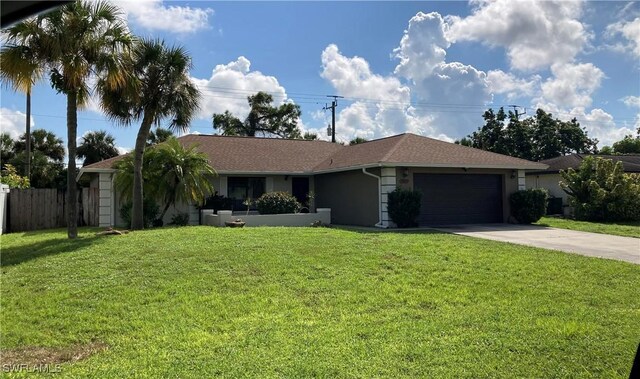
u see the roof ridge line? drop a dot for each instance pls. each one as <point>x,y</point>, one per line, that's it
<point>403,136</point>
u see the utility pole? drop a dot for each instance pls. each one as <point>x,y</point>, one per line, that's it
<point>334,105</point>
<point>515,110</point>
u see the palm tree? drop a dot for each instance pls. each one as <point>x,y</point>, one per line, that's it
<point>47,155</point>
<point>43,141</point>
<point>123,179</point>
<point>186,174</point>
<point>172,173</point>
<point>159,136</point>
<point>160,89</point>
<point>79,41</point>
<point>21,68</point>
<point>96,147</point>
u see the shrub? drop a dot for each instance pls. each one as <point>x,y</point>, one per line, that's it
<point>599,190</point>
<point>277,203</point>
<point>10,177</point>
<point>180,219</point>
<point>150,212</point>
<point>529,205</point>
<point>404,207</point>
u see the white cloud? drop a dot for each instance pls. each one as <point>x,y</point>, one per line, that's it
<point>123,150</point>
<point>630,31</point>
<point>231,84</point>
<point>154,15</point>
<point>504,83</point>
<point>353,77</point>
<point>422,47</point>
<point>13,122</point>
<point>631,101</point>
<point>382,102</point>
<point>445,89</point>
<point>535,34</point>
<point>572,84</point>
<point>600,125</point>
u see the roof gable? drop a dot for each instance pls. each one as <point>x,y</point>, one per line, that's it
<point>413,150</point>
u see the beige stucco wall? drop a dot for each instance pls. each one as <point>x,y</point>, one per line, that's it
<point>351,195</point>
<point>509,184</point>
<point>551,183</point>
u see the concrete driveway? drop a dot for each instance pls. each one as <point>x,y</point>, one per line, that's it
<point>590,244</point>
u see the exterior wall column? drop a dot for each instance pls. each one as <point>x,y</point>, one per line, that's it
<point>387,184</point>
<point>223,189</point>
<point>106,199</point>
<point>522,184</point>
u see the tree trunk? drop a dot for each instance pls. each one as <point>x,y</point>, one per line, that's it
<point>137,216</point>
<point>164,211</point>
<point>72,197</point>
<point>28,135</point>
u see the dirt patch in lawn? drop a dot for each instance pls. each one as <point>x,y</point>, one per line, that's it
<point>37,356</point>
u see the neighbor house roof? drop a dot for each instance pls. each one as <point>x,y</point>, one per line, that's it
<point>630,163</point>
<point>275,155</point>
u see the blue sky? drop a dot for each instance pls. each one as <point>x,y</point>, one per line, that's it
<point>429,68</point>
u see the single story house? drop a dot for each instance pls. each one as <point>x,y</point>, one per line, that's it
<point>550,178</point>
<point>459,184</point>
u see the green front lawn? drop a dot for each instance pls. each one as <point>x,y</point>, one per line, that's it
<point>313,302</point>
<point>627,229</point>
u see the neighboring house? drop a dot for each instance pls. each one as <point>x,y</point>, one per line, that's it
<point>459,184</point>
<point>550,178</point>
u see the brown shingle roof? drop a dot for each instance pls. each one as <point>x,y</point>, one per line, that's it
<point>246,154</point>
<point>631,163</point>
<point>411,149</point>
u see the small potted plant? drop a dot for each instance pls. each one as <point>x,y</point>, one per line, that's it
<point>238,223</point>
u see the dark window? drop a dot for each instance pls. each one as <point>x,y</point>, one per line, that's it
<point>241,189</point>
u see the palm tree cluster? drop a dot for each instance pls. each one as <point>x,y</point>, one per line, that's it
<point>172,174</point>
<point>45,158</point>
<point>138,80</point>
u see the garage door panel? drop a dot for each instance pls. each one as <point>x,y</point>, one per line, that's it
<point>459,198</point>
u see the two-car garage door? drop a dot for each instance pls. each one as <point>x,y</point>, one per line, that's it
<point>459,198</point>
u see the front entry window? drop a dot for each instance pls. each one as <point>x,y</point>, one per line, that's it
<point>243,188</point>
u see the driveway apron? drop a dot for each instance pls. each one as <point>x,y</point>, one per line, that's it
<point>590,244</point>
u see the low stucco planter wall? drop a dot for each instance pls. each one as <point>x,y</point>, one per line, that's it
<point>290,219</point>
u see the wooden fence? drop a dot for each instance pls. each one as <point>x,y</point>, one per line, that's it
<point>45,208</point>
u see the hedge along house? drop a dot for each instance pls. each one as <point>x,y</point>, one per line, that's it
<point>459,184</point>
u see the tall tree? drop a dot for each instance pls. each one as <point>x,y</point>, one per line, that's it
<point>159,136</point>
<point>79,41</point>
<point>96,147</point>
<point>263,119</point>
<point>7,148</point>
<point>535,138</point>
<point>357,140</point>
<point>45,142</point>
<point>159,88</point>
<point>310,136</point>
<point>47,155</point>
<point>628,145</point>
<point>21,68</point>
